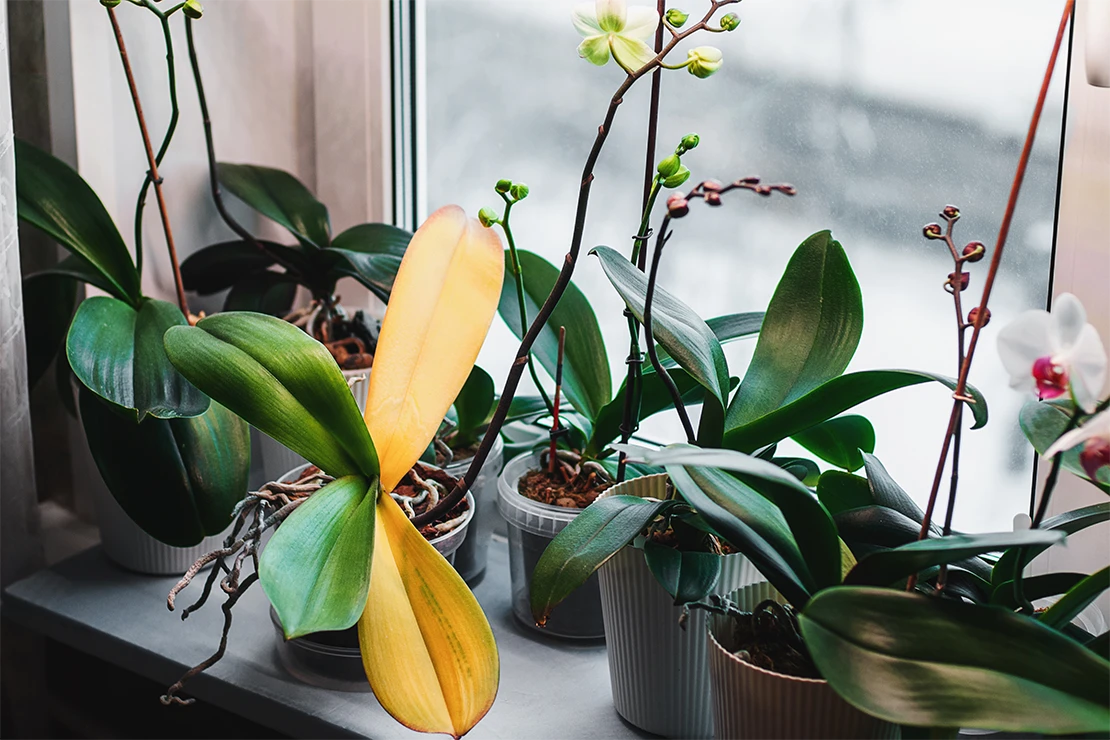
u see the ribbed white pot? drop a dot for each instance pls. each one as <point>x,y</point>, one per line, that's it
<point>658,669</point>
<point>750,702</point>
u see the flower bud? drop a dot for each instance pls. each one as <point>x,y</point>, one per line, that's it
<point>109,3</point>
<point>703,61</point>
<point>669,166</point>
<point>192,9</point>
<point>712,186</point>
<point>713,199</point>
<point>974,251</point>
<point>950,212</point>
<point>689,141</point>
<point>973,316</point>
<point>677,178</point>
<point>730,22</point>
<point>518,191</point>
<point>503,186</point>
<point>676,17</point>
<point>677,206</point>
<point>488,217</point>
<point>933,231</point>
<point>963,278</point>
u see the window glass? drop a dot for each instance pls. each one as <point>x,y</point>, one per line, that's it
<point>879,113</point>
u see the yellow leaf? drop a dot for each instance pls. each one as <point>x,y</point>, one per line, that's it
<point>427,648</point>
<point>443,301</point>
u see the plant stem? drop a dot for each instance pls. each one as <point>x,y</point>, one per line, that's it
<point>959,395</point>
<point>565,274</point>
<point>170,129</point>
<point>518,277</point>
<point>152,175</point>
<point>555,410</point>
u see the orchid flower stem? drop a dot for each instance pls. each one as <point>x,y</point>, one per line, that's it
<point>565,274</point>
<point>518,277</point>
<point>152,175</point>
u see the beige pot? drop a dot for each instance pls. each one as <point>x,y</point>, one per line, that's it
<point>750,702</point>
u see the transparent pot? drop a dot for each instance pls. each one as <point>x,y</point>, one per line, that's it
<point>472,555</point>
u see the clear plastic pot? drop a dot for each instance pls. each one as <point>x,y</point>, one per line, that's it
<point>472,555</point>
<point>531,527</point>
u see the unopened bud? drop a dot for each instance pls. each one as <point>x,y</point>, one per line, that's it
<point>933,231</point>
<point>712,186</point>
<point>676,17</point>
<point>730,22</point>
<point>974,251</point>
<point>192,9</point>
<point>962,278</point>
<point>689,141</point>
<point>950,212</point>
<point>713,199</point>
<point>677,206</point>
<point>518,191</point>
<point>669,165</point>
<point>703,61</point>
<point>109,3</point>
<point>973,316</point>
<point>488,217</point>
<point>677,178</point>
<point>503,186</point>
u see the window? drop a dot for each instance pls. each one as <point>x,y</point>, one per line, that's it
<point>880,114</point>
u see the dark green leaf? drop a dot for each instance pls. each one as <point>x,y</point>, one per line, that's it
<point>891,566</point>
<point>686,575</point>
<point>48,302</point>
<point>811,331</point>
<point>79,269</point>
<point>586,379</point>
<point>1078,598</point>
<point>685,336</point>
<point>473,403</point>
<point>381,239</point>
<point>833,398</point>
<point>267,292</point>
<point>926,661</point>
<point>840,441</point>
<point>1034,588</point>
<point>1043,424</point>
<point>1100,645</point>
<point>281,381</point>
<point>54,198</point>
<point>117,353</point>
<point>875,525</point>
<point>590,539</point>
<point>279,196</point>
<point>524,407</point>
<point>806,471</point>
<point>220,266</point>
<point>841,492</point>
<point>885,491</point>
<point>654,398</point>
<point>178,479</point>
<point>316,568</point>
<point>727,328</point>
<point>376,272</point>
<point>1069,522</point>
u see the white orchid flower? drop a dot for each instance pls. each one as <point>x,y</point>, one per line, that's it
<point>1095,438</point>
<point>1055,353</point>
<point>610,26</point>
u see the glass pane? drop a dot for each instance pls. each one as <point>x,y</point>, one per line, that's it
<point>879,113</point>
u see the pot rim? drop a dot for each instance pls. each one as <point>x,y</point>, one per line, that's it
<point>556,512</point>
<point>740,661</point>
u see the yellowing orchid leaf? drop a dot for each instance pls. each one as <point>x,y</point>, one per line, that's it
<point>427,648</point>
<point>443,301</point>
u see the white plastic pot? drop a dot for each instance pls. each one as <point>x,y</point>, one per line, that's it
<point>659,670</point>
<point>531,526</point>
<point>751,702</point>
<point>472,555</point>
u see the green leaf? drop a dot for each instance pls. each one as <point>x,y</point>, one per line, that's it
<point>1069,522</point>
<point>891,566</point>
<point>590,539</point>
<point>1043,424</point>
<point>885,491</point>
<point>654,398</point>
<point>727,328</point>
<point>525,407</point>
<point>372,254</point>
<point>78,268</point>
<point>586,379</point>
<point>267,292</point>
<point>685,336</point>
<point>840,441</point>
<point>806,471</point>
<point>687,576</point>
<point>472,405</point>
<point>841,492</point>
<point>833,398</point>
<point>811,331</point>
<point>1034,588</point>
<point>221,266</point>
<point>178,479</point>
<point>48,302</point>
<point>1078,598</point>
<point>926,661</point>
<point>281,381</point>
<point>117,353</point>
<point>316,568</point>
<point>54,198</point>
<point>281,197</point>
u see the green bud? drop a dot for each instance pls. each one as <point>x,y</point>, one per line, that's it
<point>679,177</point>
<point>689,141</point>
<point>676,17</point>
<point>669,166</point>
<point>109,3</point>
<point>703,61</point>
<point>730,22</point>
<point>488,217</point>
<point>503,186</point>
<point>518,191</point>
<point>192,9</point>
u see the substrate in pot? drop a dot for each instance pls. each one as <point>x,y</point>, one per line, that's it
<point>531,527</point>
<point>472,556</point>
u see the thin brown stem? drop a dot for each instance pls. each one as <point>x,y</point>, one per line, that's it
<point>151,162</point>
<point>555,428</point>
<point>653,355</point>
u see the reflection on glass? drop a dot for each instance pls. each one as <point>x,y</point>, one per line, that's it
<point>880,114</point>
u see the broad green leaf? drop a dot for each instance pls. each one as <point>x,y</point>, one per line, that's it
<point>587,382</point>
<point>654,398</point>
<point>811,526</point>
<point>472,405</point>
<point>372,254</point>
<point>279,380</point>
<point>727,328</point>
<point>1069,522</point>
<point>1078,598</point>
<point>1043,424</point>
<point>840,441</point>
<point>54,198</point>
<point>591,538</point>
<point>1034,588</point>
<point>891,566</point>
<point>685,336</point>
<point>178,479</point>
<point>927,661</point>
<point>832,398</point>
<point>811,330</point>
<point>48,303</point>
<point>267,292</point>
<point>806,471</point>
<point>117,353</point>
<point>376,272</point>
<point>221,266</point>
<point>78,268</point>
<point>686,575</point>
<point>841,492</point>
<point>885,491</point>
<point>525,407</point>
<point>281,197</point>
<point>316,568</point>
